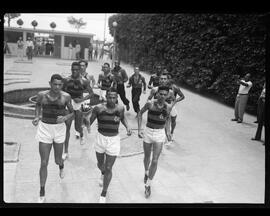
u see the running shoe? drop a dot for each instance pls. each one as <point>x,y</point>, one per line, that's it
<point>61,173</point>
<point>65,156</point>
<point>147,191</point>
<point>102,199</point>
<point>101,181</point>
<point>145,178</point>
<point>82,141</point>
<point>41,199</point>
<point>77,134</point>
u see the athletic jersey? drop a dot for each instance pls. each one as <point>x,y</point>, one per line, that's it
<point>74,87</point>
<point>106,81</point>
<point>155,80</point>
<point>119,75</point>
<point>108,123</point>
<point>156,117</point>
<point>52,109</point>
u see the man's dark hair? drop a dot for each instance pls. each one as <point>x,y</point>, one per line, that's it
<point>56,76</point>
<point>84,61</point>
<point>111,90</point>
<point>106,63</point>
<point>163,88</point>
<point>75,64</point>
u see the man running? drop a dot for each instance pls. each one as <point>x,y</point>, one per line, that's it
<point>105,81</point>
<point>121,77</point>
<point>154,79</point>
<point>154,133</point>
<point>107,146</point>
<point>137,81</point>
<point>51,131</point>
<point>75,85</point>
<point>174,91</point>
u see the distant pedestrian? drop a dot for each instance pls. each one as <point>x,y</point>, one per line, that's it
<point>90,52</point>
<point>78,50</point>
<point>6,48</point>
<point>242,98</point>
<point>96,54</point>
<point>20,46</point>
<point>101,53</point>
<point>70,51</point>
<point>50,117</point>
<point>29,48</point>
<point>120,76</point>
<point>261,115</point>
<point>137,81</point>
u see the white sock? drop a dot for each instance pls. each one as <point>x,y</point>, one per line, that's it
<point>148,182</point>
<point>147,172</point>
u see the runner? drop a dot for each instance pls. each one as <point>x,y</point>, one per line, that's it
<point>174,91</point>
<point>154,133</point>
<point>51,131</point>
<point>105,81</point>
<point>75,85</point>
<point>137,81</point>
<point>154,79</point>
<point>107,146</point>
<point>121,77</point>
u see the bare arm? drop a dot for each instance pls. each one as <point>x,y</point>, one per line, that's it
<point>140,113</point>
<point>144,84</point>
<point>38,109</point>
<point>94,115</point>
<point>124,120</point>
<point>152,93</point>
<point>70,108</point>
<point>180,93</point>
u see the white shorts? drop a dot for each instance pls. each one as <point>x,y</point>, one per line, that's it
<point>108,145</point>
<point>102,94</point>
<point>49,133</point>
<point>154,135</point>
<point>77,106</point>
<point>173,112</point>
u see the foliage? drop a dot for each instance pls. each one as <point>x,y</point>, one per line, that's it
<point>11,16</point>
<point>207,52</point>
<point>76,23</point>
<point>20,22</point>
<point>53,25</point>
<point>34,23</point>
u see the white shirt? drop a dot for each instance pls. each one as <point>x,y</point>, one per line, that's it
<point>29,43</point>
<point>244,89</point>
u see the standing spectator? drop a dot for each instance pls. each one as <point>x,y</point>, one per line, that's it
<point>78,50</point>
<point>120,77</point>
<point>96,53</point>
<point>6,48</point>
<point>137,81</point>
<point>29,48</point>
<point>242,98</point>
<point>70,49</point>
<point>101,53</point>
<point>20,45</point>
<point>260,111</point>
<point>90,52</point>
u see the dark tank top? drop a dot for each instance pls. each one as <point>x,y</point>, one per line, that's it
<point>106,82</point>
<point>156,117</point>
<point>51,110</point>
<point>108,123</point>
<point>74,87</point>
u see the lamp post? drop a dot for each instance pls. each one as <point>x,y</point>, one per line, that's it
<point>114,30</point>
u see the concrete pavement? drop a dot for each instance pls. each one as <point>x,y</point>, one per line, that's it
<point>212,158</point>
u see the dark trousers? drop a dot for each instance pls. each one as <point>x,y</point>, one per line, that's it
<point>29,53</point>
<point>122,93</point>
<point>135,94</point>
<point>260,119</point>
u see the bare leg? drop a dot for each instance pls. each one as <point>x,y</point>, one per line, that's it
<point>44,151</point>
<point>108,172</point>
<point>147,147</point>
<point>157,148</point>
<point>68,125</point>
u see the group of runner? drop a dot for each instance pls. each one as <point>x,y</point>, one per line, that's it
<point>68,97</point>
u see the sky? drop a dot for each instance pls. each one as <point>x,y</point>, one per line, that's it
<point>95,22</point>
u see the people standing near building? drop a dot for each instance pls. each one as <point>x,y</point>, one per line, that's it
<point>20,46</point>
<point>6,48</point>
<point>75,85</point>
<point>50,117</point>
<point>171,99</point>
<point>101,53</point>
<point>120,77</point>
<point>137,81</point>
<point>90,52</point>
<point>154,79</point>
<point>107,145</point>
<point>242,98</point>
<point>70,51</point>
<point>29,48</point>
<point>96,53</point>
<point>78,50</point>
<point>105,81</point>
<point>154,135</point>
<point>261,115</point>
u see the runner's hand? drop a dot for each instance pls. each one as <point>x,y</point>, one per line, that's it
<point>35,121</point>
<point>129,131</point>
<point>140,134</point>
<point>60,119</point>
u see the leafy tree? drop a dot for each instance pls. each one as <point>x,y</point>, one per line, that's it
<point>11,16</point>
<point>76,23</point>
<point>34,23</point>
<point>20,22</point>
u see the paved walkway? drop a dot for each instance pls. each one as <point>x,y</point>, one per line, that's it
<point>212,159</point>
